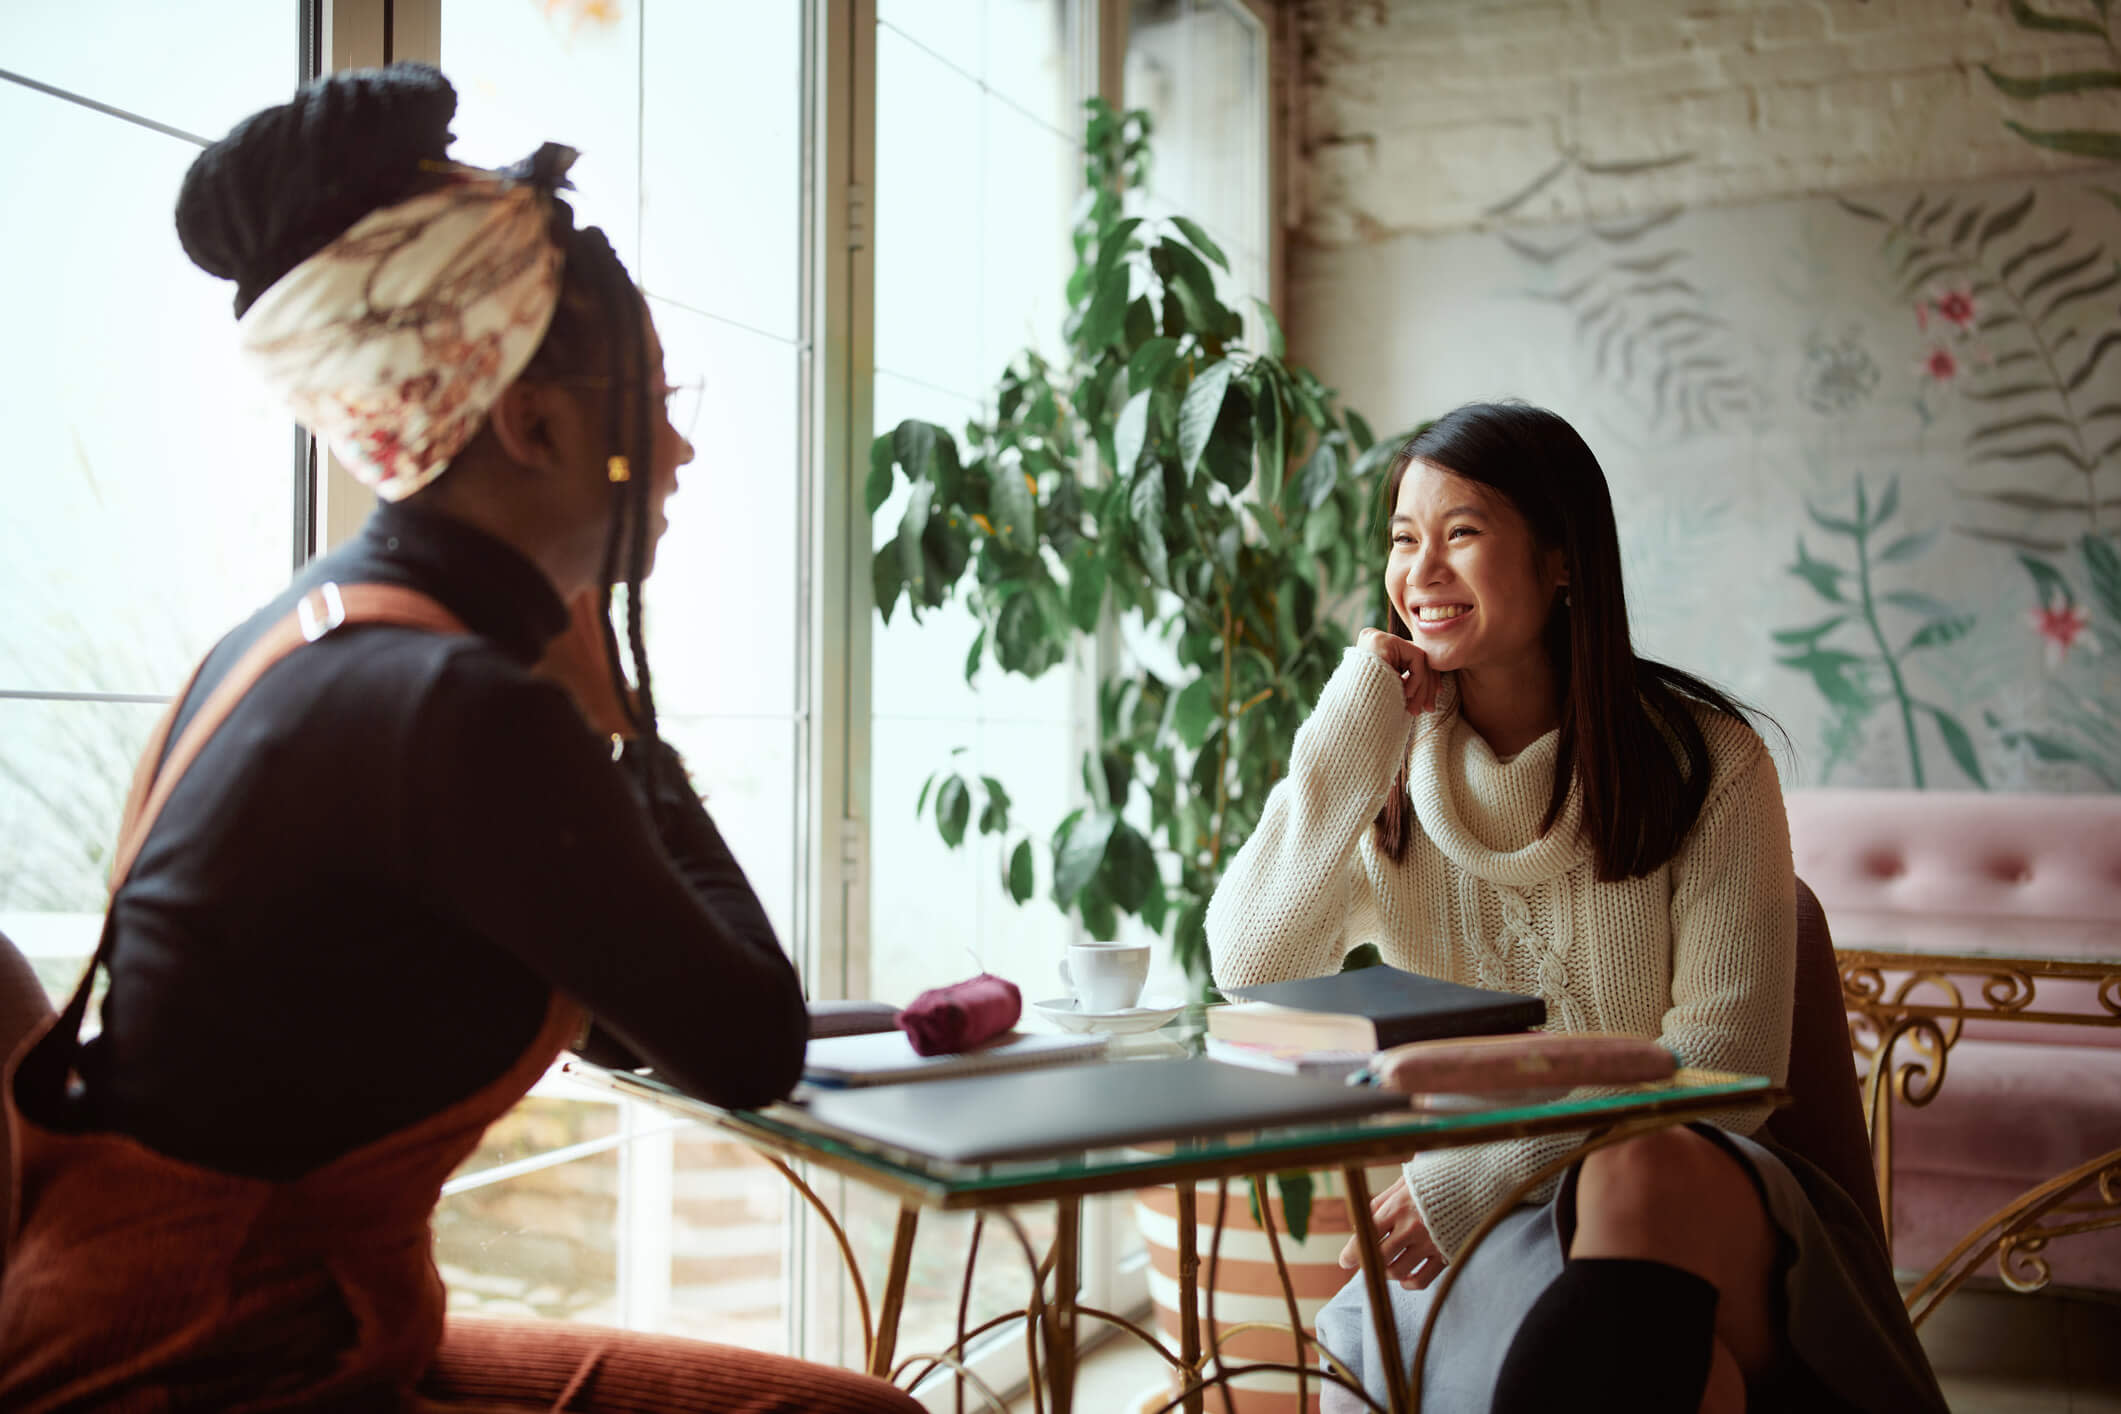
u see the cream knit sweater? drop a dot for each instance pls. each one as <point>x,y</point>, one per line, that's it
<point>1700,954</point>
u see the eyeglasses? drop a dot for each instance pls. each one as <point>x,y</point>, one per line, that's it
<point>681,398</point>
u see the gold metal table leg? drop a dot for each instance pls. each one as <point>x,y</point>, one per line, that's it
<point>1060,1315</point>
<point>1377,1285</point>
<point>894,1294</point>
<point>1189,1298</point>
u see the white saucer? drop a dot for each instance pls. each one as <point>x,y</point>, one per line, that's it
<point>1062,1012</point>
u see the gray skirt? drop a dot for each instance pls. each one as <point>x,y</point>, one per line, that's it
<point>1846,1332</point>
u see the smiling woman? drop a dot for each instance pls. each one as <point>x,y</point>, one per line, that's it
<point>1568,819</point>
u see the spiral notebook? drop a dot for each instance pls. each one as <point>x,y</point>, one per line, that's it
<point>888,1057</point>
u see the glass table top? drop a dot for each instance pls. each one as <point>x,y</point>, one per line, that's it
<point>1427,1122</point>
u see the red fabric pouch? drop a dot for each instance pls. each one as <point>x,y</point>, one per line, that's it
<point>961,1015</point>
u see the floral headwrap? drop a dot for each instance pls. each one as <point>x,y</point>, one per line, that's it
<point>394,341</point>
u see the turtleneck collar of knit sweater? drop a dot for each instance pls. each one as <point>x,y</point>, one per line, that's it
<point>1484,812</point>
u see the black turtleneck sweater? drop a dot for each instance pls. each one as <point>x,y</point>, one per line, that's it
<point>352,909</point>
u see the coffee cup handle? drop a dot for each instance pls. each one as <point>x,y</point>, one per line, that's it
<point>1068,980</point>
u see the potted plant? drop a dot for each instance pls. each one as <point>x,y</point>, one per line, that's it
<point>1166,473</point>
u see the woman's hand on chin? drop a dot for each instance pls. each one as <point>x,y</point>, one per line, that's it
<point>1418,682</point>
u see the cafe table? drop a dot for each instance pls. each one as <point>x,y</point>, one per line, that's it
<point>785,1136</point>
<point>1907,1009</point>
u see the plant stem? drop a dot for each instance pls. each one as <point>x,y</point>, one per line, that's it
<point>1885,653</point>
<point>1222,748</point>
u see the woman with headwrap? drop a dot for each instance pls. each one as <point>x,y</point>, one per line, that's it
<point>379,868</point>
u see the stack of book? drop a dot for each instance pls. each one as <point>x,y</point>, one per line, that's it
<point>1418,1034</point>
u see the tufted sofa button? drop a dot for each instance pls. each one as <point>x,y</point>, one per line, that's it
<point>2011,871</point>
<point>1884,866</point>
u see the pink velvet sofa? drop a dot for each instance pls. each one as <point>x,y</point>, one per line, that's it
<point>1973,873</point>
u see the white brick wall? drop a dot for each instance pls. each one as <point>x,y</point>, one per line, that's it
<point>1422,115</point>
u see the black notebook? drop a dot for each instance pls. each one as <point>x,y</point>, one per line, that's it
<point>1398,1006</point>
<point>1064,1109</point>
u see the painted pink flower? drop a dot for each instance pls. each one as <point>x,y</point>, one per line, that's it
<point>2060,624</point>
<point>1922,315</point>
<point>1956,307</point>
<point>1941,364</point>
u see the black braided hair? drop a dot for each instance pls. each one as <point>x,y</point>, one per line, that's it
<point>289,180</point>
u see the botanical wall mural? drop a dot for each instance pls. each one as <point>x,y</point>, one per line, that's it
<point>1865,450</point>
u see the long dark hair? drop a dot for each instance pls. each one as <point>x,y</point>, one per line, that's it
<point>289,180</point>
<point>1628,736</point>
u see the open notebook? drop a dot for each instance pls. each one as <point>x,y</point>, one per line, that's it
<point>887,1057</point>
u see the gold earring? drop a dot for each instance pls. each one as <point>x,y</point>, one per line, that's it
<point>618,470</point>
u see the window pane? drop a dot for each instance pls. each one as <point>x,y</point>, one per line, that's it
<point>155,479</point>
<point>977,172</point>
<point>542,1243</point>
<point>530,73</point>
<point>928,167</point>
<point>721,158</point>
<point>200,66</point>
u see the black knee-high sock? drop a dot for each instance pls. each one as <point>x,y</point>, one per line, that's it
<point>1612,1333</point>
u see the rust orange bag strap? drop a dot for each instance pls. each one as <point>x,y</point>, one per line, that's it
<point>46,1068</point>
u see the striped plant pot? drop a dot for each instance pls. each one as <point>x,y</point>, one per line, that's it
<point>1246,1285</point>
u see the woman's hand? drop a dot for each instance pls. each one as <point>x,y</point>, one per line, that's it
<point>1411,1256</point>
<point>577,662</point>
<point>1418,683</point>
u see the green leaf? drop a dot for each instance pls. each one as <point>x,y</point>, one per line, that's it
<point>1129,872</point>
<point>1829,669</point>
<point>1957,742</point>
<point>1267,439</point>
<point>1939,631</point>
<point>2079,81</point>
<point>1906,547</point>
<point>1012,508</point>
<point>1322,527</point>
<point>972,654</point>
<point>912,564</point>
<point>1200,241</point>
<point>1104,318</point>
<point>1146,506</point>
<point>1080,854</point>
<point>2048,583</point>
<point>1229,454</point>
<point>953,807</point>
<point>2003,222</point>
<point>886,579</point>
<point>914,444</point>
<point>1295,1203</point>
<point>1203,404</point>
<point>1835,523</point>
<point>1131,431</point>
<point>994,815</point>
<point>1359,433</point>
<point>920,806</point>
<point>2080,142</point>
<point>877,489</point>
<point>1189,938</point>
<point>1887,504</point>
<point>1916,603</point>
<point>1805,637</point>
<point>1276,344</point>
<point>1148,364</point>
<point>2029,18</point>
<point>1086,587</point>
<point>1100,919</point>
<point>1020,635</point>
<point>1192,711</point>
<point>1824,578</point>
<point>1019,878</point>
<point>1315,482</point>
<point>2103,568</point>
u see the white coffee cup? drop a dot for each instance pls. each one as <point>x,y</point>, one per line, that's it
<point>1105,976</point>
